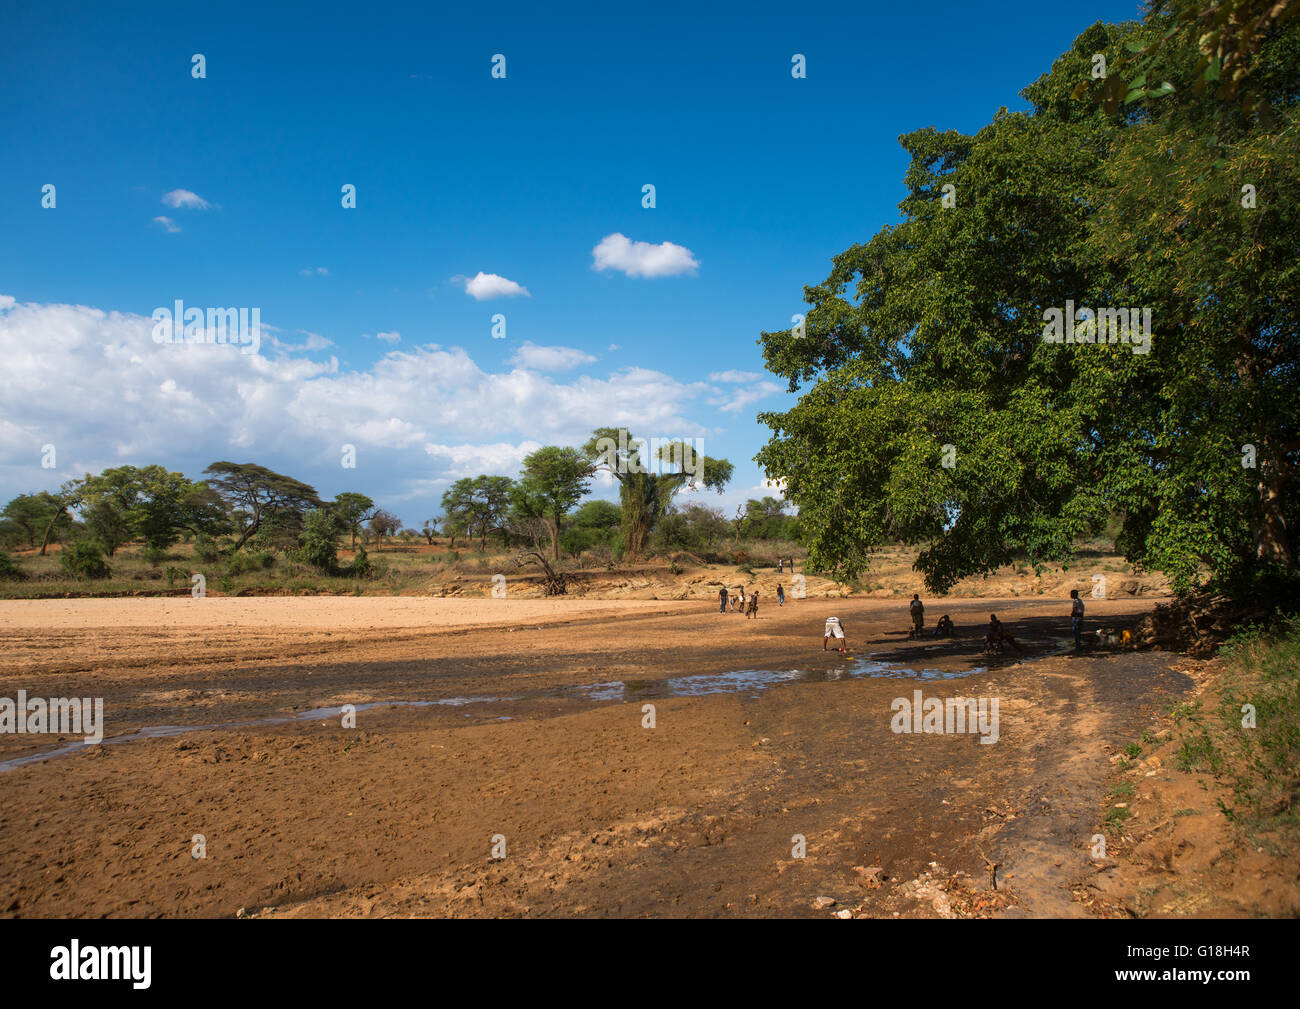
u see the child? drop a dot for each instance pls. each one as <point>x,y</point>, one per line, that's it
<point>944,628</point>
<point>753,606</point>
<point>1076,618</point>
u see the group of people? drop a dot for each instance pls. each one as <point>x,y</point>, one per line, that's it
<point>746,604</point>
<point>996,637</point>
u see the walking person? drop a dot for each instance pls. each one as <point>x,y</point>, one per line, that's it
<point>1076,618</point>
<point>722,599</point>
<point>780,595</point>
<point>753,606</point>
<point>780,564</point>
<point>742,599</point>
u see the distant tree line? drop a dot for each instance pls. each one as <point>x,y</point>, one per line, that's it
<point>238,507</point>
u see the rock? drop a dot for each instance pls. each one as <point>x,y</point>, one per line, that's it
<point>822,903</point>
<point>844,912</point>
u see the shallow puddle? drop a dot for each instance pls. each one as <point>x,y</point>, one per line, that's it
<point>746,681</point>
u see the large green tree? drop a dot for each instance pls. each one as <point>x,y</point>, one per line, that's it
<point>478,506</point>
<point>937,412</point>
<point>158,506</point>
<point>554,479</point>
<point>351,510</point>
<point>649,473</point>
<point>258,496</point>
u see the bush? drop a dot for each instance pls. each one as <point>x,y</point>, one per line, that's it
<point>152,555</point>
<point>244,563</point>
<point>318,542</point>
<point>9,569</point>
<point>84,559</point>
<point>206,549</point>
<point>360,566</point>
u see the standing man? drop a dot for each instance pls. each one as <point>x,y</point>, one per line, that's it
<point>918,616</point>
<point>834,629</point>
<point>780,564</point>
<point>722,599</point>
<point>1076,618</point>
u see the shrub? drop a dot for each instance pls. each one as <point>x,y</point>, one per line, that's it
<point>318,542</point>
<point>243,563</point>
<point>84,559</point>
<point>360,566</point>
<point>206,549</point>
<point>9,569</point>
<point>152,555</point>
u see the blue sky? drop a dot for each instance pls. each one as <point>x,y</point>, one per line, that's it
<point>225,191</point>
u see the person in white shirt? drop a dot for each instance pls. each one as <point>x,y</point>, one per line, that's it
<point>834,629</point>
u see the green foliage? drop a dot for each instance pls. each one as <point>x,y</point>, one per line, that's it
<point>1263,670</point>
<point>84,558</point>
<point>360,566</point>
<point>478,506</point>
<point>206,549</point>
<point>931,335</point>
<point>255,495</point>
<point>649,474</point>
<point>29,516</point>
<point>153,555</point>
<point>696,528</point>
<point>247,562</point>
<point>351,510</point>
<point>9,569</point>
<point>319,541</point>
<point>147,503</point>
<point>554,480</point>
<point>107,523</point>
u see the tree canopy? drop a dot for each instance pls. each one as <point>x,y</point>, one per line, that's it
<point>937,412</point>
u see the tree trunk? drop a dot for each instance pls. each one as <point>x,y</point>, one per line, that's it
<point>49,528</point>
<point>1272,542</point>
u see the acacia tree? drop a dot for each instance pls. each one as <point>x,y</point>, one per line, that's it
<point>649,475</point>
<point>554,480</point>
<point>256,495</point>
<point>478,505</point>
<point>384,523</point>
<point>38,515</point>
<point>937,412</point>
<point>352,510</point>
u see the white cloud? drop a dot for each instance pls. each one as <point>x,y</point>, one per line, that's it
<point>737,399</point>
<point>530,355</point>
<point>314,341</point>
<point>171,226</point>
<point>483,286</point>
<point>318,271</point>
<point>94,384</point>
<point>641,259</point>
<point>734,376</point>
<point>393,337</point>
<point>185,198</point>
